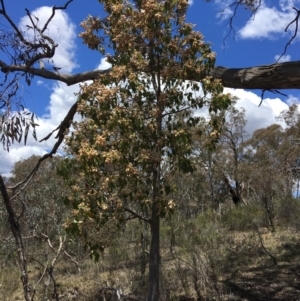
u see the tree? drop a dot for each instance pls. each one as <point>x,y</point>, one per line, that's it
<point>292,119</point>
<point>25,54</point>
<point>134,123</point>
<point>232,138</point>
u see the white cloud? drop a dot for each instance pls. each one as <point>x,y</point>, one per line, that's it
<point>286,5</point>
<point>293,100</point>
<point>258,117</point>
<point>103,64</point>
<point>17,153</point>
<point>268,22</point>
<point>39,82</point>
<point>63,97</point>
<point>191,2</point>
<point>61,30</point>
<point>283,58</point>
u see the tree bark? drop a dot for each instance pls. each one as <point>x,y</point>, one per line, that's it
<point>269,77</point>
<point>154,256</point>
<point>153,294</point>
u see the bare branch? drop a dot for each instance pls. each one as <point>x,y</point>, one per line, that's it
<point>69,79</point>
<point>73,260</point>
<point>136,215</point>
<point>236,5</point>
<point>294,35</point>
<point>41,277</point>
<point>15,228</point>
<point>49,51</point>
<point>14,26</point>
<point>53,14</point>
<point>270,90</point>
<point>263,246</point>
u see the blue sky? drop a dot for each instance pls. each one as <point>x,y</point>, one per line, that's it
<point>257,41</point>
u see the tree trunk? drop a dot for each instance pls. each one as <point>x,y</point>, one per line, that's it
<point>236,193</point>
<point>153,294</point>
<point>15,228</point>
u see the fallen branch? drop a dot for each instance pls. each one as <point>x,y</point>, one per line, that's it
<point>263,246</point>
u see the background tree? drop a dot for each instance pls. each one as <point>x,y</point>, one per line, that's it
<point>270,157</point>
<point>40,215</point>
<point>292,119</point>
<point>232,138</point>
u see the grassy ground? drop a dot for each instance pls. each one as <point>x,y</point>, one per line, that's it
<point>260,280</point>
<point>235,265</point>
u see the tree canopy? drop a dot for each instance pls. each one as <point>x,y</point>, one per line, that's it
<point>28,54</point>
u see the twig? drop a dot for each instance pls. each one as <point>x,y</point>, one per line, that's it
<point>42,276</point>
<point>137,215</point>
<point>236,5</point>
<point>270,90</point>
<point>296,20</point>
<point>54,8</point>
<point>74,261</point>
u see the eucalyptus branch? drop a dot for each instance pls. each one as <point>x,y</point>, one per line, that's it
<point>64,126</point>
<point>269,77</point>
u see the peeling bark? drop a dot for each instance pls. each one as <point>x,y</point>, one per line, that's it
<point>269,77</point>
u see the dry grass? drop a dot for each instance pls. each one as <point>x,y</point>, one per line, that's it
<point>230,266</point>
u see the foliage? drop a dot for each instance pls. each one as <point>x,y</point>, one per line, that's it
<point>40,214</point>
<point>131,123</point>
<point>15,127</point>
<point>42,197</point>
